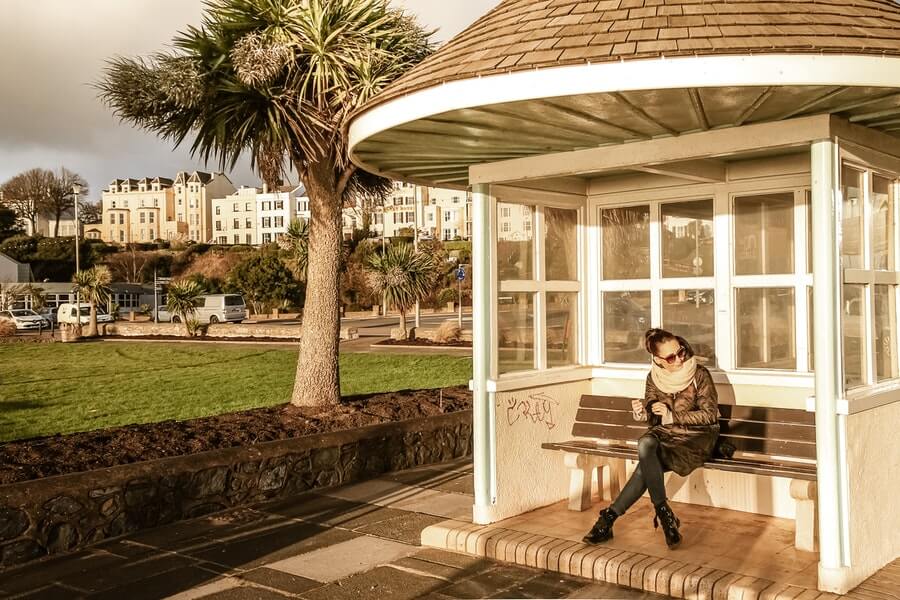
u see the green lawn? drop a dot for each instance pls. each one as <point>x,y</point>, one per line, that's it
<point>63,388</point>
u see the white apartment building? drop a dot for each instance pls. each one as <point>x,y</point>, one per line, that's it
<point>257,216</point>
<point>143,210</point>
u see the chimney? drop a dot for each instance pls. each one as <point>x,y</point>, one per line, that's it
<point>265,188</point>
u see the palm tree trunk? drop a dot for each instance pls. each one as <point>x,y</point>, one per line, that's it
<point>404,334</point>
<point>317,381</point>
<point>92,325</point>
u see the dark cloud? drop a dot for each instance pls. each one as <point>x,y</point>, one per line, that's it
<point>51,51</point>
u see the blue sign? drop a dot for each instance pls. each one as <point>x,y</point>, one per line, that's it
<point>460,273</point>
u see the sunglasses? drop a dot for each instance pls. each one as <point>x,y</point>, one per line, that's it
<point>671,358</point>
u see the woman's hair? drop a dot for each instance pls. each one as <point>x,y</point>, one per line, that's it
<point>655,336</point>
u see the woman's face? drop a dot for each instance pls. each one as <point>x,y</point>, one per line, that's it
<point>669,355</point>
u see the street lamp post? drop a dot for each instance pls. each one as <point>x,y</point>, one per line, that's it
<point>419,191</point>
<point>75,190</point>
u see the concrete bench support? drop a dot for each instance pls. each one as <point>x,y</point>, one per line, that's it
<point>806,525</point>
<point>581,472</point>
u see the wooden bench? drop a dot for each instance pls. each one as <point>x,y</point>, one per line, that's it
<point>768,441</point>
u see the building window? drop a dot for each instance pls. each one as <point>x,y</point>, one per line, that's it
<point>237,238</point>
<point>267,222</point>
<point>235,207</point>
<point>247,206</point>
<point>279,221</point>
<point>279,205</point>
<point>143,217</point>
<point>248,237</point>
<point>266,238</point>
<point>248,223</point>
<point>218,210</point>
<point>121,236</point>
<point>121,218</point>
<point>447,235</point>
<point>218,225</point>
<point>237,224</point>
<point>446,216</point>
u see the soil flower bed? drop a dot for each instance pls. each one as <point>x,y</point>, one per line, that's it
<point>41,457</point>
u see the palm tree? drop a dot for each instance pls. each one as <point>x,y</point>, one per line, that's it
<point>279,80</point>
<point>181,301</point>
<point>295,242</point>
<point>402,275</point>
<point>93,286</point>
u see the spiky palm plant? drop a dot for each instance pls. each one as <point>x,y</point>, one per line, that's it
<point>295,242</point>
<point>93,287</point>
<point>181,301</point>
<point>402,275</point>
<point>279,80</point>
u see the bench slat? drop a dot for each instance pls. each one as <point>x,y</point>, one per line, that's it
<point>728,411</point>
<point>738,465</point>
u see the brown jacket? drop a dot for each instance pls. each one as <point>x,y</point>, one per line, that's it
<point>697,404</point>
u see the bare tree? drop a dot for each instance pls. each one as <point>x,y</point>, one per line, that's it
<point>26,193</point>
<point>60,194</point>
<point>89,212</point>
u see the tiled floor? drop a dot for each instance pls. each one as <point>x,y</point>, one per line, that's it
<point>724,552</point>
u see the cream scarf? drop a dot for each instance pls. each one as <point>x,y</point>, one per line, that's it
<point>672,382</point>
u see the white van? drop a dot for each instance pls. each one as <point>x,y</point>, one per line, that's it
<point>218,308</point>
<point>67,313</point>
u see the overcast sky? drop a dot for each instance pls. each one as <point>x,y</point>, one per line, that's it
<point>52,50</point>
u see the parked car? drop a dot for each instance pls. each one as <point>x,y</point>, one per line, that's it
<point>25,319</point>
<point>219,308</point>
<point>67,313</point>
<point>49,313</point>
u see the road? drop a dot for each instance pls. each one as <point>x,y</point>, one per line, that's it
<point>381,326</point>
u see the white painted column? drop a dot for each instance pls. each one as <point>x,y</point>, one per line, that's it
<point>830,451</point>
<point>484,438</point>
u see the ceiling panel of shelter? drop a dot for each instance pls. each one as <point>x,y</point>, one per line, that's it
<point>439,149</point>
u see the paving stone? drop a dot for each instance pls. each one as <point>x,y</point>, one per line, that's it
<point>246,593</point>
<point>547,585</point>
<point>53,592</point>
<point>158,586</point>
<point>435,570</point>
<point>280,580</point>
<point>253,551</point>
<point>382,582</point>
<point>486,584</point>
<point>453,559</point>
<point>209,529</point>
<point>337,561</point>
<point>104,577</point>
<point>36,575</point>
<point>608,591</point>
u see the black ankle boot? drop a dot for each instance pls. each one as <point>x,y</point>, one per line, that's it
<point>602,529</point>
<point>670,524</point>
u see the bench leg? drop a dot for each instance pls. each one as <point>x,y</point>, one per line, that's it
<point>581,472</point>
<point>806,525</point>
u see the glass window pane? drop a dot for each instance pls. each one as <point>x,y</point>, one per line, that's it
<point>626,316</point>
<point>561,245</point>
<point>765,328</point>
<point>885,333</point>
<point>626,242</point>
<point>691,314</point>
<point>515,332</point>
<point>764,234</point>
<point>851,219</point>
<point>515,245</point>
<point>882,225</point>
<point>562,325</point>
<point>687,239</point>
<point>854,331</point>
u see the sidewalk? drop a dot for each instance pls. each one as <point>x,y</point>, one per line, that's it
<point>353,542</point>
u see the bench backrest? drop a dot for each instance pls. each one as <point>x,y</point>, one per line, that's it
<point>783,432</point>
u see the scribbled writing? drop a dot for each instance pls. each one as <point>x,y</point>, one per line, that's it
<point>536,408</point>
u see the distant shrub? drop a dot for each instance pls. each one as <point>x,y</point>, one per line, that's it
<point>7,328</point>
<point>448,332</point>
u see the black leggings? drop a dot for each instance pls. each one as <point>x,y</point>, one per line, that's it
<point>647,476</point>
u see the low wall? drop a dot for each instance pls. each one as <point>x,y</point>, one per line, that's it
<point>217,330</point>
<point>62,513</point>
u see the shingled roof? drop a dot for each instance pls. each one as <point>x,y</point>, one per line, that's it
<point>533,34</point>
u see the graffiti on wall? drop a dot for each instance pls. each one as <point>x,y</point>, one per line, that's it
<point>534,409</point>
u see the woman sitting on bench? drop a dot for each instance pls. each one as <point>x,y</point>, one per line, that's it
<point>681,408</point>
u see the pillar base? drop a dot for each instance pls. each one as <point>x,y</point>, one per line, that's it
<point>838,580</point>
<point>483,515</point>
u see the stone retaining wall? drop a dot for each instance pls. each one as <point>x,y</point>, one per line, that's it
<point>66,512</point>
<point>217,330</point>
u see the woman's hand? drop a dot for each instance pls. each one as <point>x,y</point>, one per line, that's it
<point>659,408</point>
<point>637,407</point>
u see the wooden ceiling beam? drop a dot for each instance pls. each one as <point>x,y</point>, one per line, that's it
<point>703,171</point>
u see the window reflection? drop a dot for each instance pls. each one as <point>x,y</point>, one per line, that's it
<point>515,332</point>
<point>885,333</point>
<point>691,314</point>
<point>851,219</point>
<point>515,243</point>
<point>854,332</point>
<point>687,239</point>
<point>764,234</point>
<point>882,225</point>
<point>626,242</point>
<point>562,312</point>
<point>765,328</point>
<point>626,316</point>
<point>560,249</point>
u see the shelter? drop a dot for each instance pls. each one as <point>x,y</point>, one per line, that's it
<point>690,165</point>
